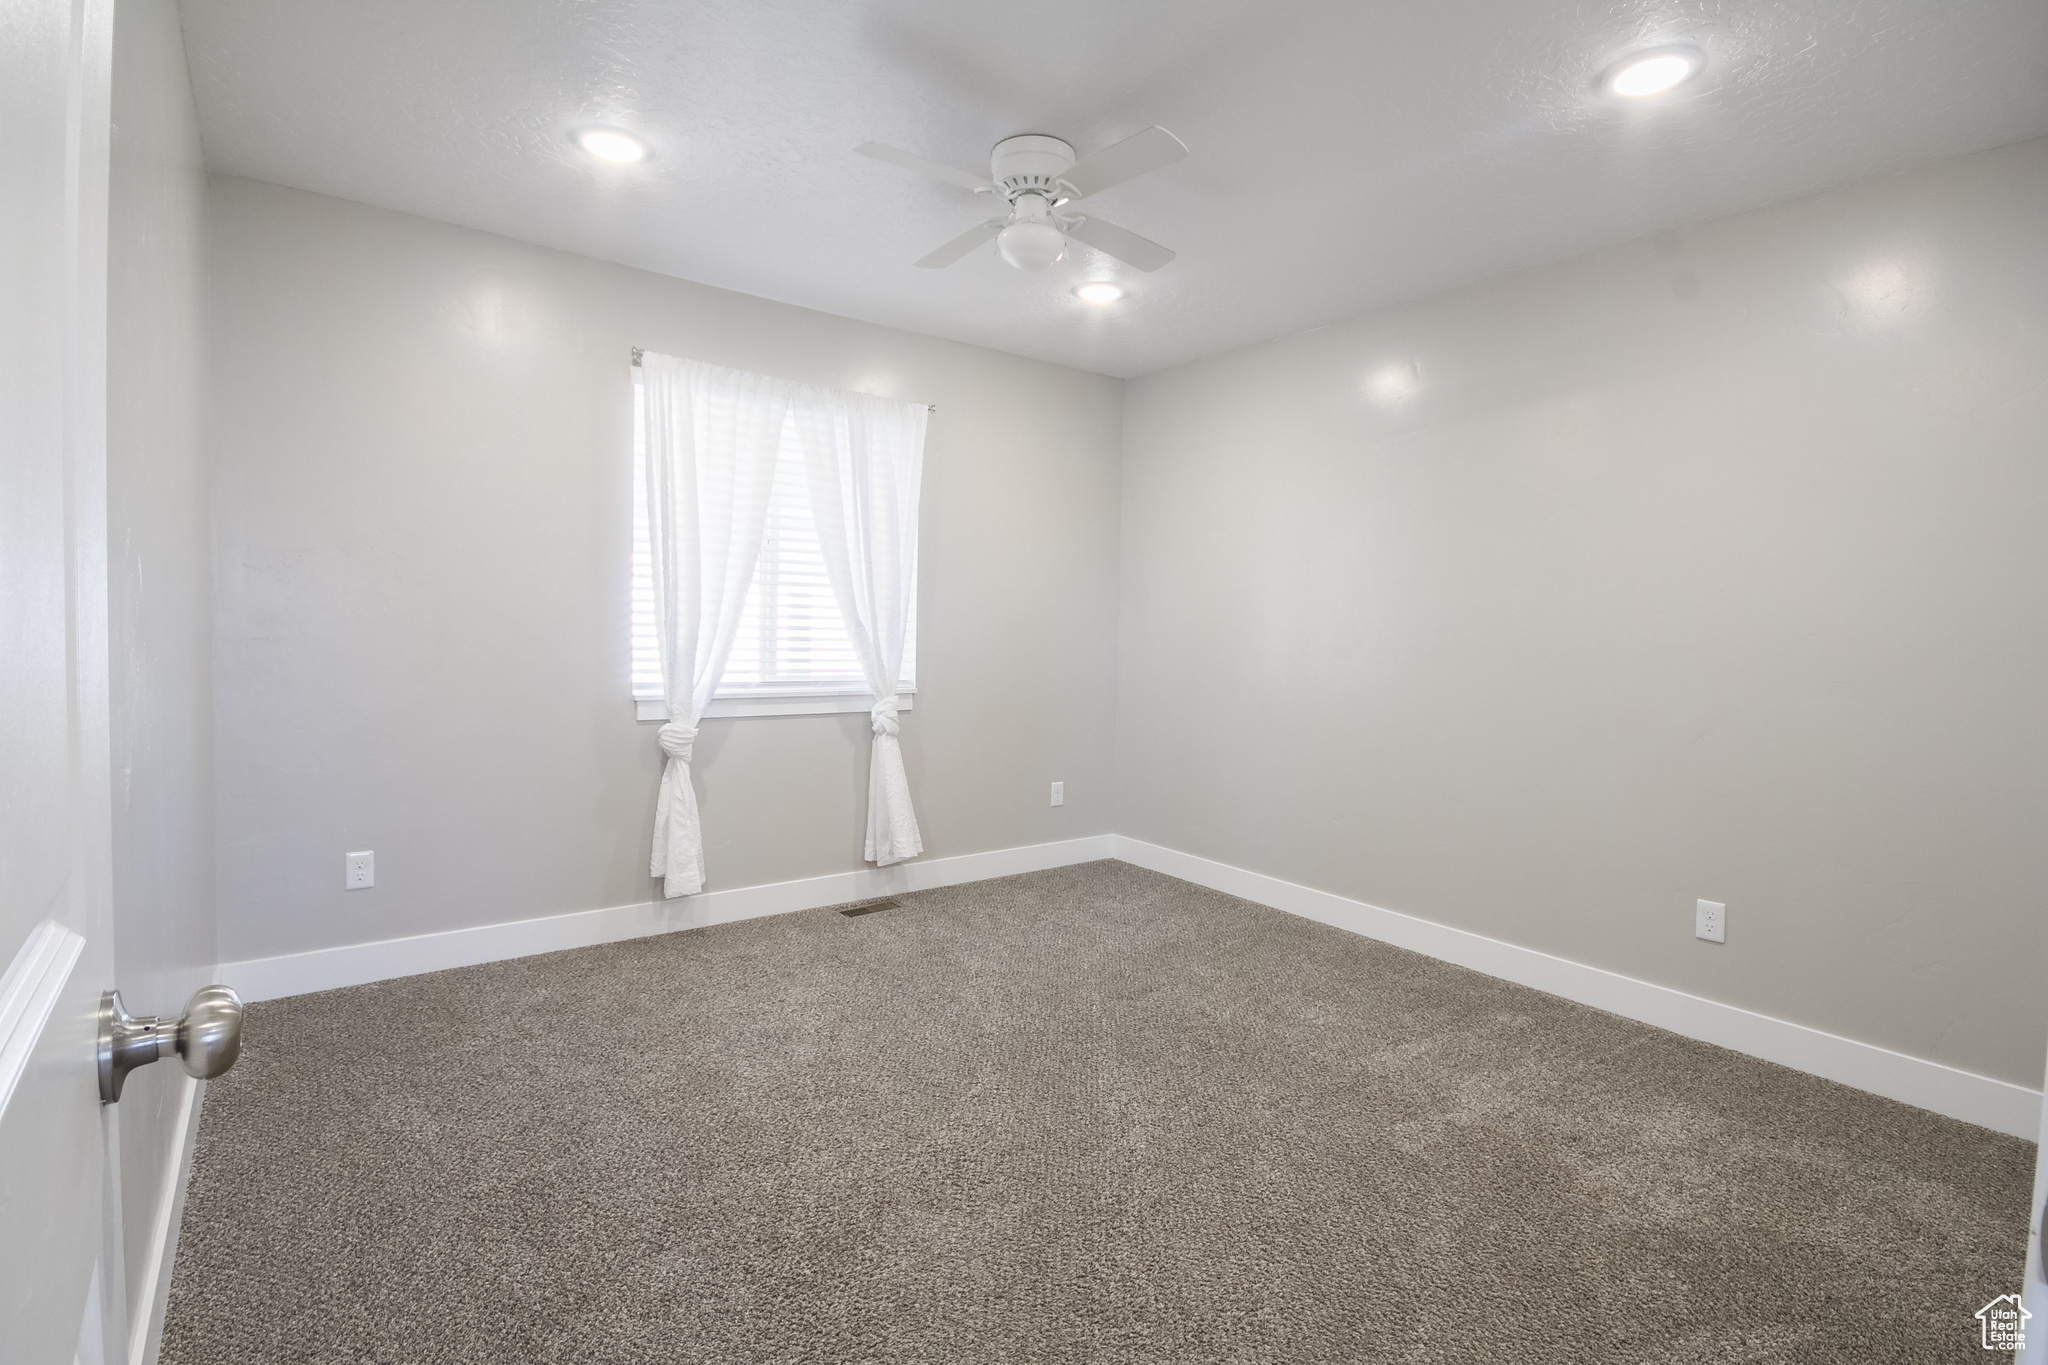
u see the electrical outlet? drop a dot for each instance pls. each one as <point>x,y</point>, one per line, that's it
<point>1059,793</point>
<point>359,871</point>
<point>1710,922</point>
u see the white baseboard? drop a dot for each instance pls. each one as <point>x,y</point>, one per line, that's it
<point>1995,1104</point>
<point>154,1291</point>
<point>357,963</point>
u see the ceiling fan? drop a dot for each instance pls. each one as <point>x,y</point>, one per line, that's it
<point>1038,176</point>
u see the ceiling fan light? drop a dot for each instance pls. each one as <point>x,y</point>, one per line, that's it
<point>1031,246</point>
<point>1098,292</point>
<point>1653,72</point>
<point>609,144</point>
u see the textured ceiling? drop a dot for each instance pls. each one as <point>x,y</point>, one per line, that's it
<point>1344,154</point>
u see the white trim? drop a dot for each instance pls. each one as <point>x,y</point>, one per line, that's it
<point>29,991</point>
<point>1995,1104</point>
<point>1964,1095</point>
<point>92,1326</point>
<point>774,704</point>
<point>153,1294</point>
<point>354,964</point>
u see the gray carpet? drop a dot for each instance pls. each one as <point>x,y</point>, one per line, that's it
<point>1092,1114</point>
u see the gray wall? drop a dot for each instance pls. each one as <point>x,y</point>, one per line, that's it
<point>1707,566</point>
<point>420,440</point>
<point>160,582</point>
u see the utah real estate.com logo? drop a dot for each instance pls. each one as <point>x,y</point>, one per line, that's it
<point>2004,1323</point>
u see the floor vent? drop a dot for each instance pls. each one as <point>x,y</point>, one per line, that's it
<point>869,908</point>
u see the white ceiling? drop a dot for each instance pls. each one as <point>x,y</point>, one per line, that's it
<point>1344,154</point>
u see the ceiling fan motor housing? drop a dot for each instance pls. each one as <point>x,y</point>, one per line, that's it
<point>1031,164</point>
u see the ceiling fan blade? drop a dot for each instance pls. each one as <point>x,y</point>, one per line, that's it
<point>967,180</point>
<point>964,243</point>
<point>1126,160</point>
<point>1121,243</point>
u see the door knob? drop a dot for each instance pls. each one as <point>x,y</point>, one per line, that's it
<point>207,1038</point>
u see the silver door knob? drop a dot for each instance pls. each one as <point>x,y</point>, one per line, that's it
<point>207,1038</point>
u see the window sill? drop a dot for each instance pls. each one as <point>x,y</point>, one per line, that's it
<point>809,704</point>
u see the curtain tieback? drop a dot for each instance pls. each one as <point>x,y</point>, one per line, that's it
<point>677,740</point>
<point>883,714</point>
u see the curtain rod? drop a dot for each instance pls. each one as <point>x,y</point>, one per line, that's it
<point>637,353</point>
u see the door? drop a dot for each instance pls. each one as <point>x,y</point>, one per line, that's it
<point>55,916</point>
<point>2034,1284</point>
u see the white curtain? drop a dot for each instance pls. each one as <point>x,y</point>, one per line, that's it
<point>863,461</point>
<point>712,436</point>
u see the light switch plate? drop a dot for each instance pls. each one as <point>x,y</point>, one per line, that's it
<point>1059,793</point>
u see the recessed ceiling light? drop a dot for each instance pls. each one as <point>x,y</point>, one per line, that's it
<point>1098,291</point>
<point>1653,72</point>
<point>609,144</point>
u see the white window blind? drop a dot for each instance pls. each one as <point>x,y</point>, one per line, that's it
<point>791,641</point>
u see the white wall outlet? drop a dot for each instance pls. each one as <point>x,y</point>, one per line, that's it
<point>1710,922</point>
<point>359,871</point>
<point>1059,793</point>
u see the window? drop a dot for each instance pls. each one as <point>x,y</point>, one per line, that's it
<point>791,655</point>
